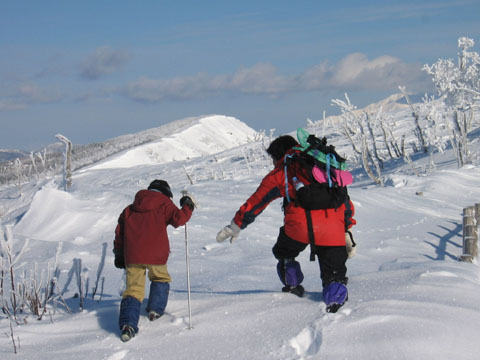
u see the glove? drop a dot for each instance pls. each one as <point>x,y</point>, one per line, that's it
<point>119,261</point>
<point>188,199</point>
<point>350,244</point>
<point>232,231</point>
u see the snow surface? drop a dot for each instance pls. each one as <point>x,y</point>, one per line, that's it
<point>409,296</point>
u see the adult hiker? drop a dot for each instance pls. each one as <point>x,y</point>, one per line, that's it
<point>141,244</point>
<point>327,231</point>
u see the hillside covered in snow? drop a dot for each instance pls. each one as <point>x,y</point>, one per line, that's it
<point>409,296</point>
<point>22,167</point>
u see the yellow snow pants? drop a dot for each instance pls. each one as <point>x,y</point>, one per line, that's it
<point>136,278</point>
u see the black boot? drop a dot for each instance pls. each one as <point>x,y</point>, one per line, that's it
<point>127,333</point>
<point>296,290</point>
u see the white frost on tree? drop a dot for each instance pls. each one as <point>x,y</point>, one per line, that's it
<point>459,86</point>
<point>358,128</point>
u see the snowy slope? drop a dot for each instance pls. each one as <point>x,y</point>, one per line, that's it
<point>205,136</point>
<point>410,298</point>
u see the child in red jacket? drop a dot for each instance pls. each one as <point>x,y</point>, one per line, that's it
<point>141,243</point>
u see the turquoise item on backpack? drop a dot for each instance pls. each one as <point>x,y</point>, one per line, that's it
<point>302,136</point>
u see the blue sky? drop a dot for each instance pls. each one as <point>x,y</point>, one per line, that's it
<point>93,70</point>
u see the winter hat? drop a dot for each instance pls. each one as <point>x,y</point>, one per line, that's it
<point>162,186</point>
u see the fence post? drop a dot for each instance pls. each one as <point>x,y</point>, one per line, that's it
<point>470,246</point>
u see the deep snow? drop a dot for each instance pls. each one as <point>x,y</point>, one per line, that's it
<point>409,296</point>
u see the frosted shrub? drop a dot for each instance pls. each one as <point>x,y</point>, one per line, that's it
<point>36,291</point>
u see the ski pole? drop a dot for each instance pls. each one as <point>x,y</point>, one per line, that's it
<point>187,257</point>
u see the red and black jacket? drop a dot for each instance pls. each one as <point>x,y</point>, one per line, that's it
<point>329,225</point>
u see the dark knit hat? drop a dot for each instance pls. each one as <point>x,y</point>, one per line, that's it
<point>162,186</point>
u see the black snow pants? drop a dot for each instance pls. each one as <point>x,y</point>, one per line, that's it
<point>332,259</point>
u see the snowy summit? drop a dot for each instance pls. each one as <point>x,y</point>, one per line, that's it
<point>199,137</point>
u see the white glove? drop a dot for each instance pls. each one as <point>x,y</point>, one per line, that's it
<point>232,231</point>
<point>350,244</point>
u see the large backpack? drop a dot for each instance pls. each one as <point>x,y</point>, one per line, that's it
<point>325,172</point>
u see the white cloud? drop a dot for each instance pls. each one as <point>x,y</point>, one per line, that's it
<point>259,79</point>
<point>354,72</point>
<point>25,94</point>
<point>151,90</point>
<point>355,66</point>
<point>103,61</point>
<point>6,104</point>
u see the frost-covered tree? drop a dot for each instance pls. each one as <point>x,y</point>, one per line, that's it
<point>359,129</point>
<point>435,125</point>
<point>419,133</point>
<point>18,171</point>
<point>459,86</point>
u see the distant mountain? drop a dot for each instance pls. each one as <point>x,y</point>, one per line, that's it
<point>9,155</point>
<point>391,104</point>
<point>189,138</point>
<point>178,140</point>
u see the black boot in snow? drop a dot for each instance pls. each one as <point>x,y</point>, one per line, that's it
<point>333,308</point>
<point>153,315</point>
<point>127,333</point>
<point>296,290</point>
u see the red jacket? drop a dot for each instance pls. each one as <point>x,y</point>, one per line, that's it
<point>329,225</point>
<point>141,233</point>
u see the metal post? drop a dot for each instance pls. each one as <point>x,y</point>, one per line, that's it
<point>188,279</point>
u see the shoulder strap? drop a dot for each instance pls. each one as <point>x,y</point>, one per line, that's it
<point>311,234</point>
<point>287,159</point>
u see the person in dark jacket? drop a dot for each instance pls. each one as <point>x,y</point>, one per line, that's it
<point>141,244</point>
<point>329,227</point>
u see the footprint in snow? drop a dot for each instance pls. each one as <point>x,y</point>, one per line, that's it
<point>307,342</point>
<point>213,246</point>
<point>118,355</point>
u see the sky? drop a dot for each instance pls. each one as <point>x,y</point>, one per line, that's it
<point>94,70</point>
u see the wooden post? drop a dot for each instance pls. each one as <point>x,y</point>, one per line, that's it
<point>67,165</point>
<point>470,246</point>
